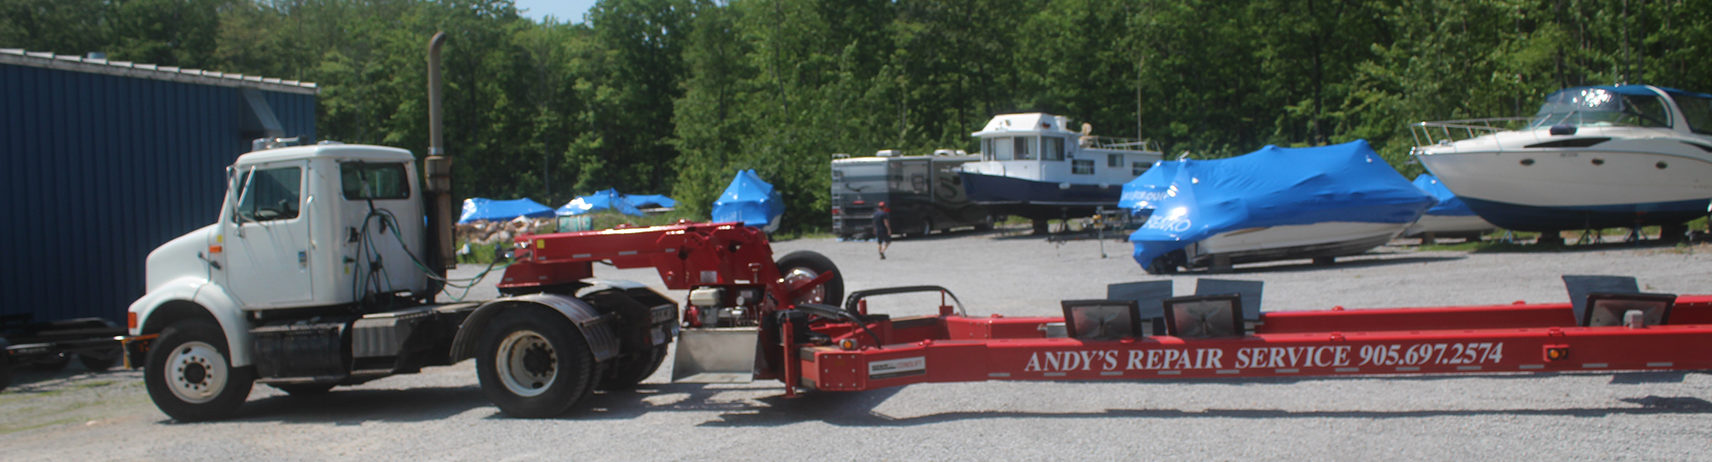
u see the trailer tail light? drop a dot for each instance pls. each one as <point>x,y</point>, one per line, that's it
<point>1557,352</point>
<point>848,344</point>
<point>131,320</point>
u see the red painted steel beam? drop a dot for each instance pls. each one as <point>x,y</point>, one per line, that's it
<point>1443,340</point>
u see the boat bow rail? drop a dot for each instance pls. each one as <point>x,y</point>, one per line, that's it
<point>1450,131</point>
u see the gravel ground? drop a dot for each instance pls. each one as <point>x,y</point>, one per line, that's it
<point>441,415</point>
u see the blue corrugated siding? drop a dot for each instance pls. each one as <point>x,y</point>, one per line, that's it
<point>101,169</point>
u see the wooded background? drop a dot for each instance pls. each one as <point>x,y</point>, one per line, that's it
<point>675,96</point>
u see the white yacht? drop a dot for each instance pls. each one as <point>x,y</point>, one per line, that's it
<point>1033,165</point>
<point>1593,157</point>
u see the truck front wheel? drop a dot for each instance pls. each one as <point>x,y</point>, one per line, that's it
<point>190,375</point>
<point>534,363</point>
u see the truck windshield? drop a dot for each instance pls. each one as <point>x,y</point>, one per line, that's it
<point>363,180</point>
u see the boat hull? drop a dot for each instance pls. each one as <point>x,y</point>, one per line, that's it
<point>1038,199</point>
<point>1326,239</point>
<point>1636,177</point>
<point>1449,224</point>
<point>1535,218</point>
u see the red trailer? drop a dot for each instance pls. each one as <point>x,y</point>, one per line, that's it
<point>816,346</point>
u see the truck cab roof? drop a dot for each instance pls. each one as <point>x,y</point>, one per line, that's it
<point>362,152</point>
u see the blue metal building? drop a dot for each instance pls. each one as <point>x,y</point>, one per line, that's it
<point>104,160</point>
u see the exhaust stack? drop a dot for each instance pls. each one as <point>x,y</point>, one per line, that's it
<point>438,165</point>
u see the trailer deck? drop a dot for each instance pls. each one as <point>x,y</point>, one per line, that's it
<point>1440,340</point>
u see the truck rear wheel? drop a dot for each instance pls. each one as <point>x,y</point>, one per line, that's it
<point>626,374</point>
<point>190,375</point>
<point>534,363</point>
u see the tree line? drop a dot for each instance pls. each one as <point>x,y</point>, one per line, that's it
<point>675,96</point>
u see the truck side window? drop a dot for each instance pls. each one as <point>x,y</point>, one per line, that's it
<point>270,194</point>
<point>361,180</point>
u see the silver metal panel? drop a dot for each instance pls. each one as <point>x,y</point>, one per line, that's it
<point>716,355</point>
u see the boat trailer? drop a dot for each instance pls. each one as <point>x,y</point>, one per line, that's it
<point>1213,336</point>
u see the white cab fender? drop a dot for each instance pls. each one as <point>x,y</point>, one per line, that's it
<point>212,299</point>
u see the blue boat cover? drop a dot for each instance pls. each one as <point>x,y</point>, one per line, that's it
<point>751,201</point>
<point>480,209</point>
<point>609,199</point>
<point>1191,200</point>
<point>650,200</point>
<point>1449,204</point>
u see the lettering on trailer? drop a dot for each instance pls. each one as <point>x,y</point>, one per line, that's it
<point>1280,357</point>
<point>897,367</point>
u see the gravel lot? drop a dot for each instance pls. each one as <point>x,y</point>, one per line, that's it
<point>441,415</point>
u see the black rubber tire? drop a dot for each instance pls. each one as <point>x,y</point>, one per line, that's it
<point>638,362</point>
<point>52,363</point>
<point>198,347</point>
<point>626,373</point>
<point>816,263</point>
<point>97,362</point>
<point>5,374</point>
<point>1165,264</point>
<point>303,389</point>
<point>527,339</point>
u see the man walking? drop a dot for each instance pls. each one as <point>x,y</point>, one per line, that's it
<point>883,228</point>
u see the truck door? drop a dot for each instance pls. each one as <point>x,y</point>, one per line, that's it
<point>266,234</point>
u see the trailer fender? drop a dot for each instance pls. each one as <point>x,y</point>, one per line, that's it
<point>597,329</point>
<point>188,297</point>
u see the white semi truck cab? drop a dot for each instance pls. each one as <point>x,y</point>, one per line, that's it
<point>325,262</point>
<point>317,250</point>
<point>314,275</point>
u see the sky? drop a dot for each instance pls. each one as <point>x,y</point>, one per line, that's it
<point>564,10</point>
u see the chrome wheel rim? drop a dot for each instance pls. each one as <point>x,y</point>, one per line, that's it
<point>799,275</point>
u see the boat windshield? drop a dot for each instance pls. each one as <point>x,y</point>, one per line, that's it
<point>1697,111</point>
<point>1599,106</point>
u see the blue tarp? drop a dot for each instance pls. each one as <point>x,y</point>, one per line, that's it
<point>480,209</point>
<point>1191,200</point>
<point>751,201</point>
<point>603,200</point>
<point>610,199</point>
<point>647,200</point>
<point>1449,204</point>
